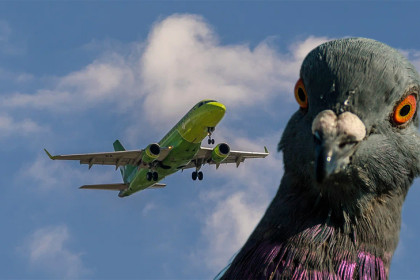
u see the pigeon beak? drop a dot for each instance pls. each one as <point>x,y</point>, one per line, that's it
<point>336,139</point>
<point>331,156</point>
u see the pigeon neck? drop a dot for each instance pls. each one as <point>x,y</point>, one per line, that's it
<point>300,237</point>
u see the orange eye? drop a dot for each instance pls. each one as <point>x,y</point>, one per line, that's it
<point>300,94</point>
<point>405,110</point>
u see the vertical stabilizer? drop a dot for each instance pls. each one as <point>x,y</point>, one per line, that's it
<point>118,146</point>
<point>125,170</point>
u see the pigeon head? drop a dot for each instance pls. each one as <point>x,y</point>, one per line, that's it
<point>355,134</point>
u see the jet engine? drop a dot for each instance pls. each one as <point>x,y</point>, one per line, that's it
<point>220,152</point>
<point>151,153</point>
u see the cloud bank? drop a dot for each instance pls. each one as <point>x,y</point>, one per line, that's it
<point>47,250</point>
<point>182,62</point>
<point>10,126</point>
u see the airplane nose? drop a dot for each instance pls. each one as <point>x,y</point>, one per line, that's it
<point>214,113</point>
<point>217,107</point>
<point>202,120</point>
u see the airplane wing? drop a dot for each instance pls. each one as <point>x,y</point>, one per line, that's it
<point>120,158</point>
<point>203,156</point>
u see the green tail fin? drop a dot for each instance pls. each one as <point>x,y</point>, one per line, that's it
<point>118,146</point>
<point>125,170</point>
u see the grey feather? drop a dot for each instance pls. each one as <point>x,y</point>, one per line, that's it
<point>344,224</point>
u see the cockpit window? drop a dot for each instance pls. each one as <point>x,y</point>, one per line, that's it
<point>205,102</point>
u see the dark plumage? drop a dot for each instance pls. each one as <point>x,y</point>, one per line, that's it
<point>348,161</point>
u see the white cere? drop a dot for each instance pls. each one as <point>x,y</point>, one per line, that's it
<point>344,124</point>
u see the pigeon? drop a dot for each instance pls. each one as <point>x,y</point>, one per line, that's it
<point>351,153</point>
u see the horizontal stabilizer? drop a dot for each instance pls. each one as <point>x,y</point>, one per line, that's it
<point>157,186</point>
<point>108,187</point>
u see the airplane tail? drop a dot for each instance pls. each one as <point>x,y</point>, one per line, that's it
<point>125,170</point>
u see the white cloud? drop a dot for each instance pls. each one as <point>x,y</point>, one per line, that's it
<point>10,127</point>
<point>181,62</point>
<point>148,208</point>
<point>184,62</point>
<point>229,225</point>
<point>47,250</point>
<point>413,56</point>
<point>301,48</point>
<point>111,81</point>
<point>236,207</point>
<point>7,45</point>
<point>101,80</point>
<point>44,98</point>
<point>59,176</point>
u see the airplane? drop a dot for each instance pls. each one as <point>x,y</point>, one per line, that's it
<point>180,149</point>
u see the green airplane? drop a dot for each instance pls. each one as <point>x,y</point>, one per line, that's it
<point>180,149</point>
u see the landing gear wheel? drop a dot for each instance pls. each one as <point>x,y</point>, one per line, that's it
<point>149,176</point>
<point>200,175</point>
<point>209,132</point>
<point>194,175</point>
<point>155,176</point>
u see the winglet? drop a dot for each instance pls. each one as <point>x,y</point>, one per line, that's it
<point>265,149</point>
<point>49,155</point>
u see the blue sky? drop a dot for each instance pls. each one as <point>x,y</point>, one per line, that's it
<point>75,76</point>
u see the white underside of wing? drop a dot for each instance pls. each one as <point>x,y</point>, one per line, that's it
<point>117,187</point>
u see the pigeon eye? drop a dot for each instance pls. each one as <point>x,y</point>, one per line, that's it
<point>301,95</point>
<point>405,110</point>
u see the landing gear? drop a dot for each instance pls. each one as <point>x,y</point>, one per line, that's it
<point>198,175</point>
<point>210,130</point>
<point>152,176</point>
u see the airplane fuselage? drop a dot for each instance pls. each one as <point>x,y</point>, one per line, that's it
<point>184,142</point>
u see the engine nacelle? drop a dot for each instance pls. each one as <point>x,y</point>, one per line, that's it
<point>220,152</point>
<point>151,153</point>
